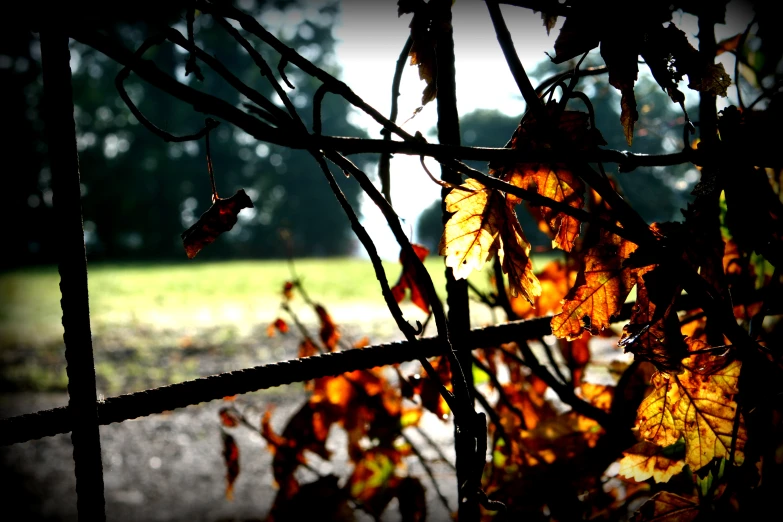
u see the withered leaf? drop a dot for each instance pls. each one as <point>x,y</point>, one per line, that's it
<point>231,459</point>
<point>407,279</point>
<point>484,224</point>
<point>279,325</point>
<point>229,417</point>
<point>220,217</point>
<point>653,333</point>
<point>329,333</point>
<point>600,290</point>
<point>647,460</point>
<point>424,34</point>
<point>554,280</point>
<point>555,181</point>
<point>667,507</point>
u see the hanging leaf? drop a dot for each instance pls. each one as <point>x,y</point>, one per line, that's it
<point>373,482</point>
<point>408,279</point>
<point>600,290</point>
<point>484,224</point>
<point>231,459</point>
<point>329,333</point>
<point>279,325</point>
<point>424,34</point>
<point>220,217</point>
<point>229,417</point>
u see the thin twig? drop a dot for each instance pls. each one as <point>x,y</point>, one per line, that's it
<point>384,167</point>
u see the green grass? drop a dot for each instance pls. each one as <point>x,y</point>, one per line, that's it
<point>143,314</point>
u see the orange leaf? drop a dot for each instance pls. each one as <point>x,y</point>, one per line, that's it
<point>229,417</point>
<point>220,217</point>
<point>554,281</point>
<point>279,325</point>
<point>231,459</point>
<point>288,290</point>
<point>600,290</point>
<point>329,333</point>
<point>408,279</point>
<point>667,507</point>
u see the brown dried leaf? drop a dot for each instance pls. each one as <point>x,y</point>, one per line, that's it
<point>483,224</point>
<point>408,279</point>
<point>329,333</point>
<point>220,217</point>
<point>600,290</point>
<point>231,459</point>
<point>667,507</point>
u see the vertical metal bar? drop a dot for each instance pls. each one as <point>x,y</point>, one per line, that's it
<point>457,290</point>
<point>64,164</point>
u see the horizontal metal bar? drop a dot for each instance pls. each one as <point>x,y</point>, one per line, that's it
<point>130,406</point>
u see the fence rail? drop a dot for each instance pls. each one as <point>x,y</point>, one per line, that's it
<point>47,423</point>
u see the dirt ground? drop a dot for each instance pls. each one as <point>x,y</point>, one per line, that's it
<point>169,467</point>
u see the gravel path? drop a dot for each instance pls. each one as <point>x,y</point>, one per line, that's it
<point>169,467</point>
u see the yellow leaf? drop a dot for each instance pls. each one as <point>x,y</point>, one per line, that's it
<point>470,237</point>
<point>705,413</point>
<point>483,224</point>
<point>701,408</point>
<point>645,460</point>
<point>655,419</point>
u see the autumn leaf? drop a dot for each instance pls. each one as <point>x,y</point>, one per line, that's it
<point>655,420</point>
<point>424,34</point>
<point>560,184</point>
<point>472,235</point>
<point>554,281</point>
<point>229,417</point>
<point>647,460</point>
<point>632,30</point>
<point>484,224</point>
<point>279,325</point>
<point>600,290</point>
<point>329,333</point>
<point>288,290</point>
<point>408,279</point>
<point>653,333</point>
<point>373,482</point>
<point>700,408</point>
<point>231,459</point>
<point>220,217</point>
<point>554,181</point>
<point>667,507</point>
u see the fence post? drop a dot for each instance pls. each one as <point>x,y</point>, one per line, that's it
<point>64,164</point>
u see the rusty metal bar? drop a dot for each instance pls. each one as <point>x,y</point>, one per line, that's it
<point>82,414</point>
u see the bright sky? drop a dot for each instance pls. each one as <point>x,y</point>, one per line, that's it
<point>370,38</point>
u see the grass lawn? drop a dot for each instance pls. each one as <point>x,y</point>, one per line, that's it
<point>177,294</point>
<point>139,312</point>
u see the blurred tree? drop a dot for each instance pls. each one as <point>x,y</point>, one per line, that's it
<point>140,193</point>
